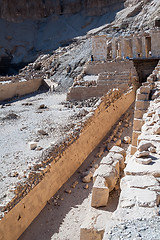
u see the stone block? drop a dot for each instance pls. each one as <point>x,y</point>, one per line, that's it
<point>109,173</point>
<point>100,193</point>
<point>116,149</point>
<point>114,159</point>
<point>32,145</point>
<point>145,198</point>
<point>144,161</point>
<point>142,154</point>
<point>135,135</point>
<point>136,196</point>
<point>133,150</point>
<point>144,145</point>
<point>142,96</point>
<point>94,225</point>
<point>142,104</point>
<point>138,181</point>
<point>144,89</point>
<point>139,113</point>
<point>137,124</point>
<point>134,168</point>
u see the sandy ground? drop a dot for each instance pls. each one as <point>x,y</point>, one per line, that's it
<point>20,122</point>
<point>64,213</point>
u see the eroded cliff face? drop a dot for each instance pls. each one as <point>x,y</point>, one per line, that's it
<point>15,10</point>
<point>31,28</point>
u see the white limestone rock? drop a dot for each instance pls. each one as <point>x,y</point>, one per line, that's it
<point>142,154</point>
<point>134,168</point>
<point>93,226</point>
<point>144,161</point>
<point>152,149</point>
<point>156,128</point>
<point>109,173</point>
<point>138,182</point>
<point>127,140</point>
<point>112,159</point>
<point>144,145</point>
<point>145,198</point>
<point>119,150</point>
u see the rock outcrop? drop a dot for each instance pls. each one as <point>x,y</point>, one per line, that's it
<point>19,10</point>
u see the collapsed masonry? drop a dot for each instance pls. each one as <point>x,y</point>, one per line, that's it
<point>140,186</point>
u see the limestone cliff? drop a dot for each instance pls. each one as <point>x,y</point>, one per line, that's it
<point>15,10</point>
<point>31,28</point>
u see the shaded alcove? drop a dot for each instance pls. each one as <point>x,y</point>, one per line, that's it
<point>145,67</point>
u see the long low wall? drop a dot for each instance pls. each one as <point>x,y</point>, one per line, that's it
<point>97,126</point>
<point>11,89</point>
<point>94,68</point>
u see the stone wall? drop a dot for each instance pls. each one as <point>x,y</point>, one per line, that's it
<point>97,78</point>
<point>94,68</point>
<point>56,174</point>
<point>140,189</point>
<point>10,89</point>
<point>141,105</point>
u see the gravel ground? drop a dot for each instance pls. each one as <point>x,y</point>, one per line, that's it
<point>146,229</point>
<point>44,118</point>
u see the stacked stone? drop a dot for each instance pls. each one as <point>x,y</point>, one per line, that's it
<point>106,176</point>
<point>141,105</point>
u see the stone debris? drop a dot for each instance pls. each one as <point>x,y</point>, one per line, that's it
<point>106,176</point>
<point>144,161</point>
<point>32,145</point>
<point>42,106</point>
<point>144,146</point>
<point>68,191</point>
<point>142,154</point>
<point>118,143</point>
<point>11,116</point>
<point>88,175</point>
<point>86,186</point>
<point>42,132</point>
<point>127,140</point>
<point>74,184</point>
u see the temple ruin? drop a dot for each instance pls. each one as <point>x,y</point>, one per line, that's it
<point>114,77</point>
<point>137,46</point>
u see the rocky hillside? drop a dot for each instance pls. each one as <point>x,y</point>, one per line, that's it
<point>33,28</point>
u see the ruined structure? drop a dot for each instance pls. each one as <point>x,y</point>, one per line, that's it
<point>137,46</point>
<point>140,185</point>
<point>99,77</point>
<point>111,64</point>
<point>45,139</point>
